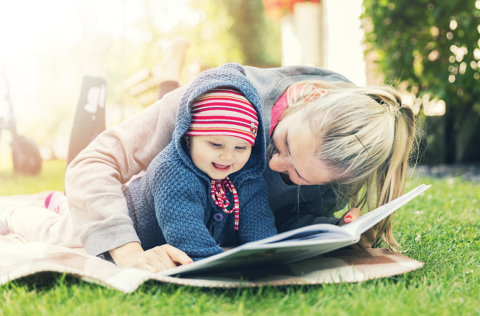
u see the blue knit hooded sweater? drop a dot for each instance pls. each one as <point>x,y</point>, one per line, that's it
<point>172,204</point>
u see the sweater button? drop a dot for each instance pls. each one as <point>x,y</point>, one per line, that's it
<point>218,217</point>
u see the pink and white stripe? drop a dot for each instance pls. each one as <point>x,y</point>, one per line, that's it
<point>224,112</point>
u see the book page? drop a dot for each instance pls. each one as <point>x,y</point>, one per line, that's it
<point>303,235</point>
<point>243,257</point>
<point>365,222</point>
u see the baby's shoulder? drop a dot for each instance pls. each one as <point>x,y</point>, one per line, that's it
<point>167,159</point>
<point>168,166</point>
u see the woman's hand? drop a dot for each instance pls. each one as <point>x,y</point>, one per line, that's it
<point>368,237</point>
<point>157,259</point>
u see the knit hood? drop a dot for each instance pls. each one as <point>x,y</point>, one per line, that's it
<point>229,75</point>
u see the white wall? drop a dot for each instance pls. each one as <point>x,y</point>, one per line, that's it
<point>343,48</point>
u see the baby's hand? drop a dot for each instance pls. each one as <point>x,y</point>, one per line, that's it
<point>368,237</point>
<point>154,260</point>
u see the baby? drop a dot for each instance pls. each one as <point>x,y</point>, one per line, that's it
<point>205,189</point>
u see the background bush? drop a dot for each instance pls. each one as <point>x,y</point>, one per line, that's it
<point>433,45</point>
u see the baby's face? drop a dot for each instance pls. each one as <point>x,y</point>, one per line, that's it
<point>219,156</point>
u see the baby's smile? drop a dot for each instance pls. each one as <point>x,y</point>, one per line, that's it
<point>220,167</point>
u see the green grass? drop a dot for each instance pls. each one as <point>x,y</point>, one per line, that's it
<point>50,178</point>
<point>440,228</point>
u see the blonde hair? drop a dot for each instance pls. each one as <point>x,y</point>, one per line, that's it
<point>364,135</point>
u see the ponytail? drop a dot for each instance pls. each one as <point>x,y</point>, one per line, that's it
<point>391,184</point>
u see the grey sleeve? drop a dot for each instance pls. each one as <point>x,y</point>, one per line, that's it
<point>94,179</point>
<point>319,210</point>
<point>293,220</point>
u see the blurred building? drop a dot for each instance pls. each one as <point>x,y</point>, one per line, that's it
<point>326,34</point>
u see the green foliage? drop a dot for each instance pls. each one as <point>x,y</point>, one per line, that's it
<point>433,45</point>
<point>439,228</point>
<point>257,34</point>
<point>213,44</point>
<point>235,31</point>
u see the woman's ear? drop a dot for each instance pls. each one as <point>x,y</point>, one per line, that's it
<point>315,95</point>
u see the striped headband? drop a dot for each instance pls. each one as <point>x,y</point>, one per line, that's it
<point>226,112</point>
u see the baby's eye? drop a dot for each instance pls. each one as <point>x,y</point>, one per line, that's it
<point>240,148</point>
<point>215,144</point>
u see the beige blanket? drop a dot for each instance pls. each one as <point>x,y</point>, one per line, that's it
<point>20,258</point>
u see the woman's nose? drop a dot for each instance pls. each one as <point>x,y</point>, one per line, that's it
<point>278,163</point>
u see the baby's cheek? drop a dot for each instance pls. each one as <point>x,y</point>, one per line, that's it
<point>244,160</point>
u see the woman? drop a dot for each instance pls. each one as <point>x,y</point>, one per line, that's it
<point>329,139</point>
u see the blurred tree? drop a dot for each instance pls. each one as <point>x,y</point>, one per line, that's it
<point>235,31</point>
<point>226,31</point>
<point>433,45</point>
<point>258,35</point>
<point>45,89</point>
<point>213,43</point>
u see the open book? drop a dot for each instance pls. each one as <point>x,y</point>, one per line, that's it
<point>295,245</point>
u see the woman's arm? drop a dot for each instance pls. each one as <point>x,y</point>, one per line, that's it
<point>94,178</point>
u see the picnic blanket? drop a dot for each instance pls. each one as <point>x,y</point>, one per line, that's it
<point>20,258</point>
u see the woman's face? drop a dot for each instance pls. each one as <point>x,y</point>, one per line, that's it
<point>295,155</point>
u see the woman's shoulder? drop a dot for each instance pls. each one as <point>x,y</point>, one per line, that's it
<point>272,82</point>
<point>297,71</point>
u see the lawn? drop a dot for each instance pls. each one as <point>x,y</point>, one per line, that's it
<point>440,228</point>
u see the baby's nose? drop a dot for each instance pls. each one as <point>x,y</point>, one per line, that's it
<point>227,155</point>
